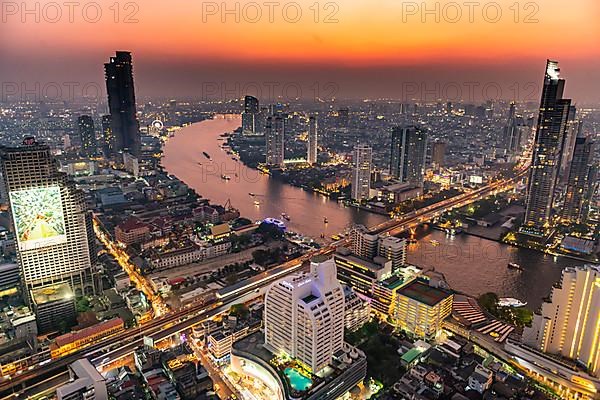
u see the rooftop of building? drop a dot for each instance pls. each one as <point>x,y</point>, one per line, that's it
<point>72,337</point>
<point>358,261</point>
<point>48,294</point>
<point>423,293</point>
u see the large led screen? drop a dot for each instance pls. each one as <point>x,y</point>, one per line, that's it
<point>38,217</point>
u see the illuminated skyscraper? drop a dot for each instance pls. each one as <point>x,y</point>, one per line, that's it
<point>121,103</point>
<point>361,174</point>
<point>569,323</point>
<point>547,152</point>
<point>577,197</point>
<point>87,135</point>
<point>55,241</point>
<point>108,139</point>
<point>409,146</point>
<point>304,316</point>
<point>312,140</point>
<point>275,134</point>
<point>250,116</point>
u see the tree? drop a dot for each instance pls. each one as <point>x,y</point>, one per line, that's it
<point>238,310</point>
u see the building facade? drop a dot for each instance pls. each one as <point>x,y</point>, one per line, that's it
<point>361,172</point>
<point>407,161</point>
<point>579,182</point>
<point>547,151</point>
<point>55,239</point>
<point>87,135</point>
<point>313,126</point>
<point>569,323</point>
<point>250,116</point>
<point>275,136</point>
<point>304,316</point>
<point>124,124</point>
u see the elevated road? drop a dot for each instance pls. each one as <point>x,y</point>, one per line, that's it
<point>172,322</point>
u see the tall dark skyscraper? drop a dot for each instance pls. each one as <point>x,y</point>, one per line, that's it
<point>579,183</point>
<point>121,103</point>
<point>87,135</point>
<point>250,116</point>
<point>547,151</point>
<point>409,146</point>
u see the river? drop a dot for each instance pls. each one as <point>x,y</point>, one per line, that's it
<point>470,264</point>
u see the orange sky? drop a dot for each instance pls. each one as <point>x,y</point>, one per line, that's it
<point>367,32</point>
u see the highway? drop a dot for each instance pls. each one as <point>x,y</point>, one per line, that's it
<point>122,344</point>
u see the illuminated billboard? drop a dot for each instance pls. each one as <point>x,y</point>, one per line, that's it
<point>38,217</point>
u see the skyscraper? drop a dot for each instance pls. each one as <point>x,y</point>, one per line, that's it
<point>438,153</point>
<point>576,206</point>
<point>304,316</point>
<point>55,243</point>
<point>409,146</point>
<point>569,323</point>
<point>549,136</point>
<point>87,135</point>
<point>573,131</point>
<point>250,116</point>
<point>312,140</point>
<point>121,103</point>
<point>361,174</point>
<point>275,134</point>
<point>108,139</point>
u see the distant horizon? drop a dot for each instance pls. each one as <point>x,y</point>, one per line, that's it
<point>369,49</point>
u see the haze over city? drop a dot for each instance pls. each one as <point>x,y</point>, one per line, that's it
<point>300,200</point>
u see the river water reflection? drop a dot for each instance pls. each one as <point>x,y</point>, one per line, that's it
<point>470,264</point>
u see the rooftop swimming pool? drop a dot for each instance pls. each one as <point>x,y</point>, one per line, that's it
<point>297,381</point>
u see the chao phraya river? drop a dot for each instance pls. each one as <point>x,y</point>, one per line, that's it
<point>470,264</point>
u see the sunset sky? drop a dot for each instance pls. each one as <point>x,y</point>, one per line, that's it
<point>369,48</point>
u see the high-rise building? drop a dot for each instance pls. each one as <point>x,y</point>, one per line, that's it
<point>53,229</point>
<point>312,140</point>
<point>250,116</point>
<point>87,135</point>
<point>579,182</point>
<point>438,153</point>
<point>409,146</point>
<point>569,323</point>
<point>121,103</point>
<point>304,316</point>
<point>549,136</point>
<point>393,249</point>
<point>108,139</point>
<point>275,136</point>
<point>573,131</point>
<point>361,174</point>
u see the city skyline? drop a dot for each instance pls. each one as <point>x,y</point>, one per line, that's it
<point>300,200</point>
<point>411,46</point>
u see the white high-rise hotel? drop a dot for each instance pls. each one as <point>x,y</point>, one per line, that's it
<point>361,174</point>
<point>304,316</point>
<point>569,324</point>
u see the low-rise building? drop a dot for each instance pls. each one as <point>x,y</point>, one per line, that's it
<point>356,310</point>
<point>481,379</point>
<point>73,341</point>
<point>420,309</point>
<point>85,383</point>
<point>131,231</point>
